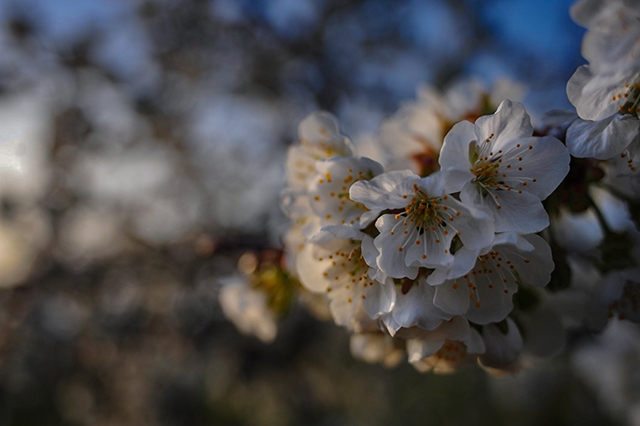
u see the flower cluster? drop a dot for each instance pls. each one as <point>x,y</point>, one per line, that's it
<point>596,217</point>
<point>606,92</point>
<point>437,248</point>
<point>432,260</point>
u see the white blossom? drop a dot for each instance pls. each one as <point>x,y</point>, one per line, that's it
<point>614,29</point>
<point>445,349</point>
<point>606,92</point>
<point>319,138</point>
<point>304,224</point>
<point>413,137</point>
<point>608,105</point>
<point>414,308</point>
<point>484,294</point>
<point>247,308</point>
<point>426,222</point>
<point>336,262</point>
<point>503,345</point>
<point>501,167</point>
<point>329,190</point>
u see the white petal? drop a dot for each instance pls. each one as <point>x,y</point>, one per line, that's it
<point>626,163</point>
<point>519,212</point>
<point>474,342</point>
<point>247,309</point>
<point>391,245</point>
<point>446,181</point>
<point>429,248</point>
<point>331,232</point>
<point>539,169</point>
<point>418,349</point>
<point>369,251</point>
<point>576,84</point>
<point>535,266</point>
<point>299,167</point>
<point>601,139</point>
<point>390,323</point>
<point>416,308</point>
<point>577,231</point>
<point>318,127</point>
<point>367,218</point>
<point>295,204</point>
<point>609,52</point>
<point>585,12</point>
<point>483,295</point>
<point>375,347</point>
<point>310,270</point>
<point>329,189</point>
<point>452,298</point>
<point>602,94</point>
<point>463,96</point>
<point>494,303</point>
<point>343,305</point>
<point>474,224</point>
<point>513,239</point>
<point>615,211</point>
<point>463,260</point>
<point>501,349</point>
<point>455,150</point>
<point>380,298</point>
<point>456,180</point>
<point>385,191</point>
<point>427,342</point>
<point>509,122</point>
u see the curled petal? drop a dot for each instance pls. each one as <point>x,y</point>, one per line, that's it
<point>602,139</point>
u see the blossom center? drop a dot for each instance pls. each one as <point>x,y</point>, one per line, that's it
<point>486,172</point>
<point>422,209</point>
<point>631,98</point>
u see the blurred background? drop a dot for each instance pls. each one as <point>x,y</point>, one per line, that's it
<point>152,136</point>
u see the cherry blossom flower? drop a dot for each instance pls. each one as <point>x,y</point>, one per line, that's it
<point>414,308</point>
<point>305,223</point>
<point>608,105</point>
<point>319,138</point>
<point>424,221</point>
<point>501,167</point>
<point>606,93</point>
<point>329,190</point>
<point>336,262</point>
<point>436,255</point>
<point>445,349</point>
<point>484,294</point>
<point>247,308</point>
<point>413,137</point>
<point>614,29</point>
<point>503,344</point>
